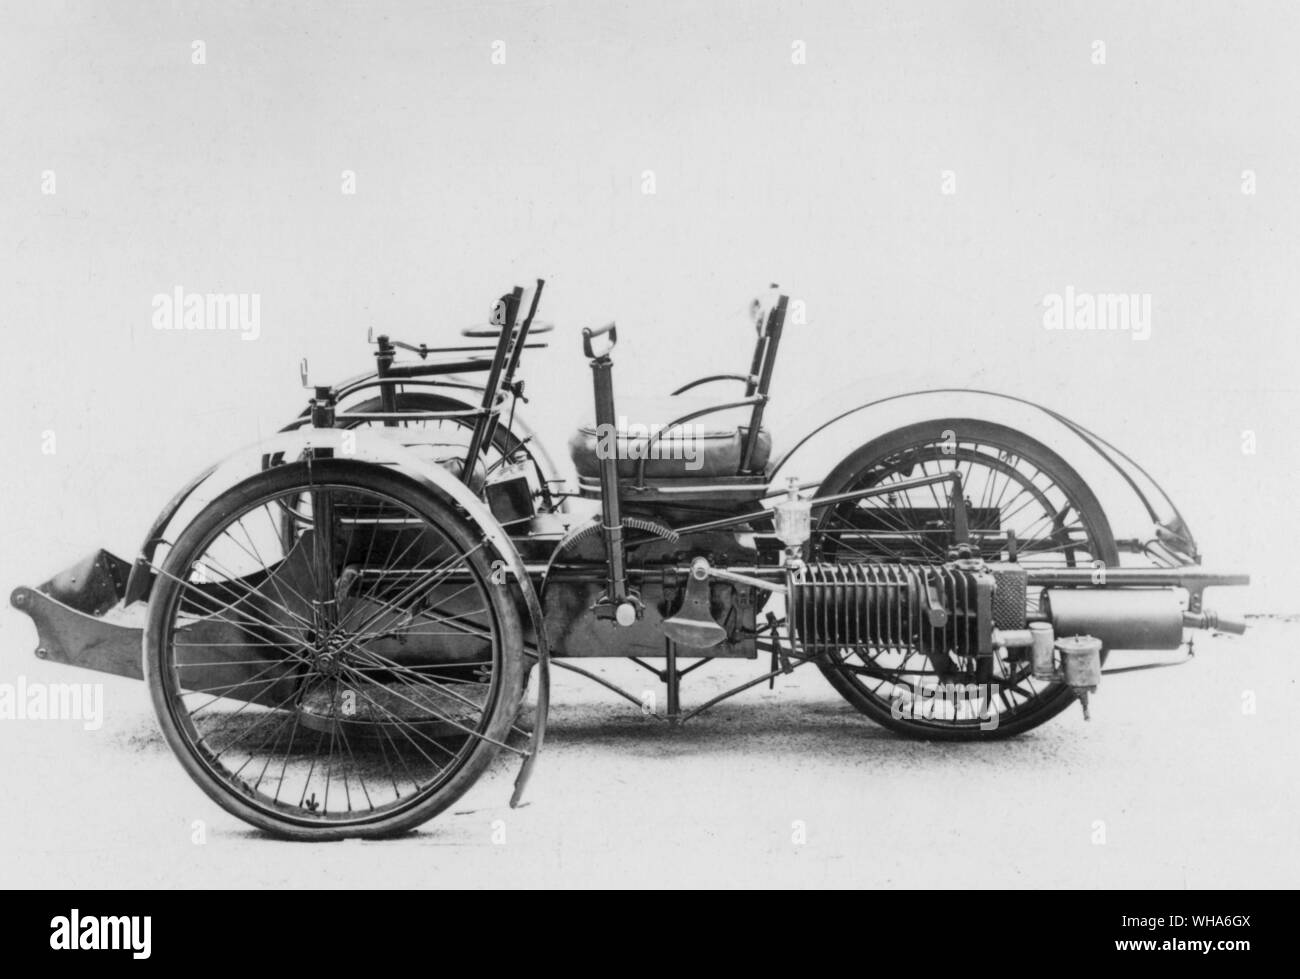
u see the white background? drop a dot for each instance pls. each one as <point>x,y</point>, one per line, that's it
<point>471,176</point>
<point>825,177</point>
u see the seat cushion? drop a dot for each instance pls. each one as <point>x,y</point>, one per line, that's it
<point>709,446</point>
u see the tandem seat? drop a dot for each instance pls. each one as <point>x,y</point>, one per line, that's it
<point>695,451</point>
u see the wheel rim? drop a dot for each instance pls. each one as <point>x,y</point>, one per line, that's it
<point>1007,486</point>
<point>451,435</point>
<point>348,675</point>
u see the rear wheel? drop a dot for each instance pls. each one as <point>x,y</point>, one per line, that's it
<point>505,449</point>
<point>1011,483</point>
<point>448,437</point>
<point>351,682</point>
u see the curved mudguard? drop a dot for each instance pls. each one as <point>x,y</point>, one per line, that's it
<point>69,609</point>
<point>1171,529</point>
<point>519,423</point>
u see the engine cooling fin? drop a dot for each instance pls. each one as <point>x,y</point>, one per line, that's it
<point>931,609</point>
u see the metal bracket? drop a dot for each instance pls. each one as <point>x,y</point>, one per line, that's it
<point>693,626</point>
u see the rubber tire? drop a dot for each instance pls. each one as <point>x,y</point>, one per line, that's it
<point>1065,476</point>
<point>194,539</point>
<point>503,440</point>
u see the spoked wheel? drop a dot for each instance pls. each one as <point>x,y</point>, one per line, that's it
<point>452,433</point>
<point>448,437</point>
<point>1014,487</point>
<point>352,682</point>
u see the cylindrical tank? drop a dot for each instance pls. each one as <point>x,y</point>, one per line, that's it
<point>1150,618</point>
<point>1044,658</point>
<point>1080,661</point>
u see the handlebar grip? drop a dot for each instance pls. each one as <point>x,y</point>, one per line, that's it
<point>588,334</point>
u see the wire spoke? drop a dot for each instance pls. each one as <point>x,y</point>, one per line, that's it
<point>307,588</point>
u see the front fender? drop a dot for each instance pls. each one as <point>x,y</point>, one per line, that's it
<point>376,448</point>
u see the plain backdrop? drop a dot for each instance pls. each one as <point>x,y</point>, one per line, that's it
<point>826,176</point>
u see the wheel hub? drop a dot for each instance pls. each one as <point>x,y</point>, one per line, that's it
<point>327,656</point>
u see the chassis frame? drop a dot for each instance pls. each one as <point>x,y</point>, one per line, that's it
<point>532,541</point>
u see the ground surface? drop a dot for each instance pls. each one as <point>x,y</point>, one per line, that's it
<point>1173,784</point>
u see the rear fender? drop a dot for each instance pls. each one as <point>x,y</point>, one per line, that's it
<point>519,423</point>
<point>1088,452</point>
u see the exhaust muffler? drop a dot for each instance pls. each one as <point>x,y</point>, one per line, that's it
<point>1150,618</point>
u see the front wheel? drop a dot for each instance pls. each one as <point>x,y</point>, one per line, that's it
<point>352,681</point>
<point>1015,488</point>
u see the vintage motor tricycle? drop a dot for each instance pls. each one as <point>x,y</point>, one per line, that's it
<point>338,626</point>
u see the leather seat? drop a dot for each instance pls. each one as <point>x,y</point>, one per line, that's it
<point>709,446</point>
